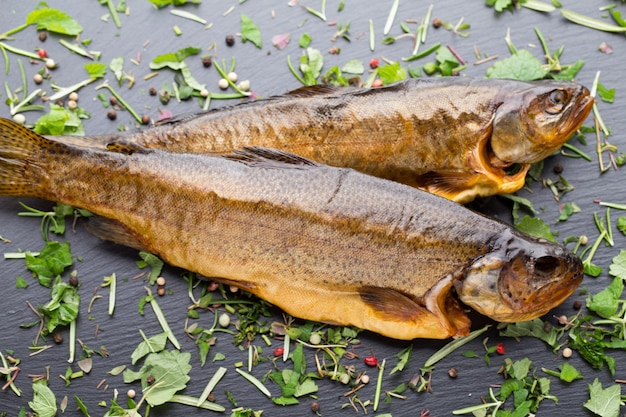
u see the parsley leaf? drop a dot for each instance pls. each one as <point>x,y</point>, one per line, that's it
<point>54,21</point>
<point>521,66</point>
<point>534,226</point>
<point>51,261</point>
<point>618,265</point>
<point>63,306</point>
<point>534,328</point>
<point>170,370</point>
<point>606,302</point>
<point>391,73</point>
<point>60,121</point>
<point>603,402</point>
<point>621,224</point>
<point>44,402</point>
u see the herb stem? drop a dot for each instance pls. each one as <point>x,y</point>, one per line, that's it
<point>120,100</point>
<point>578,153</point>
<point>14,31</point>
<point>72,341</point>
<point>379,384</point>
<point>161,318</point>
<point>114,15</point>
<point>372,36</point>
<point>210,386</point>
<point>392,16</point>
<point>254,381</point>
<point>452,346</point>
<point>423,53</point>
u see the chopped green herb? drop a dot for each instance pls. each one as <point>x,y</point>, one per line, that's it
<point>54,21</point>
<point>391,73</point>
<point>250,31</point>
<point>50,262</point>
<point>305,40</point>
<point>604,402</point>
<point>521,66</point>
<point>44,402</point>
<point>567,373</point>
<point>534,226</point>
<point>21,283</point>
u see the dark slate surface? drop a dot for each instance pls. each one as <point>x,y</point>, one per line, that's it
<point>147,32</point>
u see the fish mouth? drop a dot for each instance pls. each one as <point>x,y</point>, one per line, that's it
<point>579,109</point>
<point>520,279</point>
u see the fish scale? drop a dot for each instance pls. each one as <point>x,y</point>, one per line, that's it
<point>322,243</point>
<point>452,136</point>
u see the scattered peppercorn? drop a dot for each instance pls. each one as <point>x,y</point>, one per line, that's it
<point>223,83</point>
<point>374,63</point>
<point>500,350</point>
<point>224,320</point>
<point>365,379</point>
<point>42,53</point>
<point>152,91</point>
<point>150,379</point>
<point>567,353</point>
<point>42,36</point>
<point>232,76</point>
<point>145,119</point>
<point>161,291</point>
<point>72,105</point>
<point>131,393</point>
<point>453,372</point>
<point>230,40</point>
<point>344,379</point>
<point>207,60</point>
<point>58,338</point>
<point>38,78</point>
<point>160,281</point>
<point>112,114</point>
<point>377,83</point>
<point>50,64</point>
<point>113,101</point>
<point>558,168</point>
<point>547,327</point>
<point>437,23</point>
<point>73,280</point>
<point>211,398</point>
<point>73,96</point>
<point>563,320</point>
<point>578,305</point>
<point>59,102</point>
<point>278,352</point>
<point>315,407</point>
<point>164,97</point>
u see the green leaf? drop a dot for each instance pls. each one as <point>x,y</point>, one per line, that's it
<point>59,121</point>
<point>170,370</point>
<point>534,328</point>
<point>519,369</point>
<point>534,226</point>
<point>618,265</point>
<point>308,386</point>
<point>606,302</point>
<point>173,59</point>
<point>521,66</point>
<point>250,31</point>
<point>391,73</point>
<point>153,344</point>
<point>305,40</point>
<point>96,69</point>
<point>568,72</point>
<point>63,305</point>
<point>54,21</point>
<point>404,355</point>
<point>44,402</point>
<point>607,95</point>
<point>21,283</point>
<point>604,402</point>
<point>155,264</point>
<point>164,3</point>
<point>621,224</point>
<point>569,373</point>
<point>354,66</point>
<point>566,210</point>
<point>311,65</point>
<point>51,261</point>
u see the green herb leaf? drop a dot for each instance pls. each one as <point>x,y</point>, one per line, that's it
<point>354,66</point>
<point>21,283</point>
<point>164,3</point>
<point>250,31</point>
<point>521,66</point>
<point>606,302</point>
<point>311,65</point>
<point>621,224</point>
<point>170,371</point>
<point>54,21</point>
<point>534,328</point>
<point>44,402</point>
<point>305,40</point>
<point>604,402</point>
<point>155,264</point>
<point>618,265</point>
<point>173,59</point>
<point>391,73</point>
<point>607,95</point>
<point>59,121</point>
<point>63,306</point>
<point>534,226</point>
<point>154,344</point>
<point>96,69</point>
<point>404,355</point>
<point>566,210</point>
<point>51,261</point>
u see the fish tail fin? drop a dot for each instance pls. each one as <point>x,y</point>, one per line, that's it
<point>19,150</point>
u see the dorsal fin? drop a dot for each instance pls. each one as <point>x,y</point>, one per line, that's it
<point>269,158</point>
<point>314,90</point>
<point>125,147</point>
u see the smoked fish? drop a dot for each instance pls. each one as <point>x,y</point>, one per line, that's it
<point>322,243</point>
<point>458,137</point>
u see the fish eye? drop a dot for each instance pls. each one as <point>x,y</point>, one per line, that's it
<point>557,99</point>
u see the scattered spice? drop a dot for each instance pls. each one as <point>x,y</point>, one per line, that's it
<point>230,40</point>
<point>500,350</point>
<point>278,352</point>
<point>437,23</point>
<point>207,60</point>
<point>152,91</point>
<point>374,63</point>
<point>453,372</point>
<point>43,35</point>
<point>371,361</point>
<point>42,53</point>
<point>112,114</point>
<point>38,78</point>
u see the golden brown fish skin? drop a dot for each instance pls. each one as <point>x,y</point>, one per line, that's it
<point>322,243</point>
<point>452,136</point>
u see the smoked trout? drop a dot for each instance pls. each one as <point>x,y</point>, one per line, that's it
<point>454,136</point>
<point>322,243</point>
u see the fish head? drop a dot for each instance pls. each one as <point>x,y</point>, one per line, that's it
<point>533,122</point>
<point>519,278</point>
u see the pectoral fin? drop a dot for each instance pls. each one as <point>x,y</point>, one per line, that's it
<point>114,231</point>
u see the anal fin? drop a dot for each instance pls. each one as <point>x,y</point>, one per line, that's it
<point>114,231</point>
